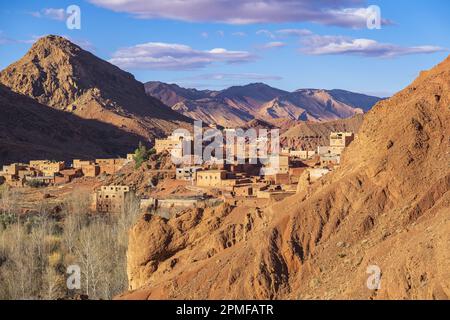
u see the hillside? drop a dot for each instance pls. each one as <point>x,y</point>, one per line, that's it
<point>30,130</point>
<point>61,75</point>
<point>387,205</point>
<point>237,105</point>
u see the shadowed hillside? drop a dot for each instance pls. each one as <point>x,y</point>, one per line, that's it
<point>30,130</point>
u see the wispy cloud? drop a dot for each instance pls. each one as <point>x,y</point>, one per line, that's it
<point>266,33</point>
<point>344,13</point>
<point>273,45</point>
<point>341,45</point>
<point>294,32</point>
<point>50,13</point>
<point>172,56</point>
<point>4,39</point>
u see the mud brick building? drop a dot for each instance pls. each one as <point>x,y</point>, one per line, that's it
<point>339,141</point>
<point>110,166</point>
<point>46,167</point>
<point>113,199</point>
<point>66,176</point>
<point>211,178</point>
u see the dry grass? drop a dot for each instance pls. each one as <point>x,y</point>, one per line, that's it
<point>35,250</point>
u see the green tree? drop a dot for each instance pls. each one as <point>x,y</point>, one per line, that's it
<point>142,154</point>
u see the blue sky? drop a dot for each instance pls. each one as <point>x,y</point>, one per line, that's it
<point>218,43</point>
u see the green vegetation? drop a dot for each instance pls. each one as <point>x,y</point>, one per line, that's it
<point>141,154</point>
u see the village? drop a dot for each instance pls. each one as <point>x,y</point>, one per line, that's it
<point>237,184</point>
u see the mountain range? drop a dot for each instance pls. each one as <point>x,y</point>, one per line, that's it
<point>119,111</point>
<point>239,104</point>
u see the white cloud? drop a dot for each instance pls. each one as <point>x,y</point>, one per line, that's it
<point>266,33</point>
<point>50,13</point>
<point>221,33</point>
<point>171,56</point>
<point>294,32</point>
<point>204,34</point>
<point>334,45</point>
<point>274,44</point>
<point>344,13</point>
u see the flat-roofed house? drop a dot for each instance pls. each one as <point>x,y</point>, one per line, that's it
<point>113,199</point>
<point>211,178</point>
<point>78,164</point>
<point>88,167</point>
<point>339,141</point>
<point>9,172</point>
<point>46,167</point>
<point>110,166</point>
<point>66,176</point>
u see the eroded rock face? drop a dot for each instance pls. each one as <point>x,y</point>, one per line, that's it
<point>388,205</point>
<point>160,246</point>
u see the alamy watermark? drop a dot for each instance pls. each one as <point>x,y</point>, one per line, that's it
<point>374,280</point>
<point>227,146</point>
<point>373,17</point>
<point>73,20</point>
<point>74,279</point>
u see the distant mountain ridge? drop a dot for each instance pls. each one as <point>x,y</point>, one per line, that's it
<point>239,104</point>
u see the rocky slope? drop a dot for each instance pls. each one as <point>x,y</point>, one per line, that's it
<point>387,205</point>
<point>61,75</point>
<point>237,105</point>
<point>30,130</point>
<point>146,177</point>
